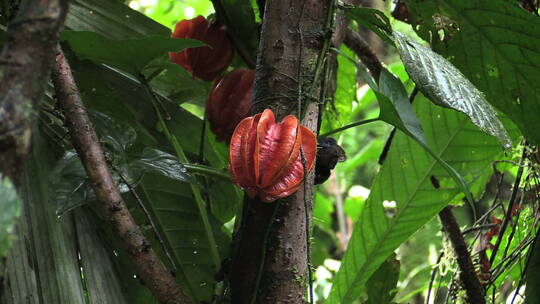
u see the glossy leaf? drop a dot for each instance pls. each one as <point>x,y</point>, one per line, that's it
<point>445,85</point>
<point>153,160</point>
<point>495,43</point>
<point>10,205</point>
<point>130,55</point>
<point>405,178</point>
<point>397,110</point>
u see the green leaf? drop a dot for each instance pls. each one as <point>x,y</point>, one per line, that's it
<point>130,55</point>
<point>112,19</point>
<point>373,19</point>
<point>406,179</point>
<point>396,110</point>
<point>177,215</point>
<point>154,160</point>
<point>340,108</point>
<point>10,204</point>
<point>381,286</point>
<point>446,86</point>
<point>495,44</point>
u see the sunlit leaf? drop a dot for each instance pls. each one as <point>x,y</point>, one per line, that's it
<point>405,180</point>
<point>495,43</point>
<point>445,85</point>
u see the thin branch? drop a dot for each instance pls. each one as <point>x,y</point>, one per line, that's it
<point>360,47</point>
<point>508,215</point>
<point>148,266</point>
<point>474,289</point>
<point>146,212</point>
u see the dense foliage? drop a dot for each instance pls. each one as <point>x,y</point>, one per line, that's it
<point>449,119</point>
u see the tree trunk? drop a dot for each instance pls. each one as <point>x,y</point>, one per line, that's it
<point>294,41</point>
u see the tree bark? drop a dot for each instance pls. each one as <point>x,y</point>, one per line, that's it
<point>150,268</point>
<point>294,40</point>
<point>25,64</point>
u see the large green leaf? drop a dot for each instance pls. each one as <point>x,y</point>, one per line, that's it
<point>445,85</point>
<point>130,55</point>
<point>10,204</point>
<point>406,180</point>
<point>397,110</point>
<point>113,19</point>
<point>496,45</point>
<point>178,217</point>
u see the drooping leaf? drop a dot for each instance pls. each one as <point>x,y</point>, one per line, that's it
<point>495,43</point>
<point>130,55</point>
<point>381,286</point>
<point>445,85</point>
<point>10,204</point>
<point>405,178</point>
<point>373,19</point>
<point>397,110</point>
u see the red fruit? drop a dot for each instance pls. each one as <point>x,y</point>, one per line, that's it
<point>265,158</point>
<point>203,62</point>
<point>230,102</point>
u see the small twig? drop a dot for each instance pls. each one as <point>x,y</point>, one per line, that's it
<point>354,124</point>
<point>479,227</point>
<point>150,269</point>
<point>474,289</point>
<point>360,47</point>
<point>508,214</point>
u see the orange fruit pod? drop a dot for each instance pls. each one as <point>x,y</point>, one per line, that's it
<point>229,102</point>
<point>205,62</point>
<point>265,157</point>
